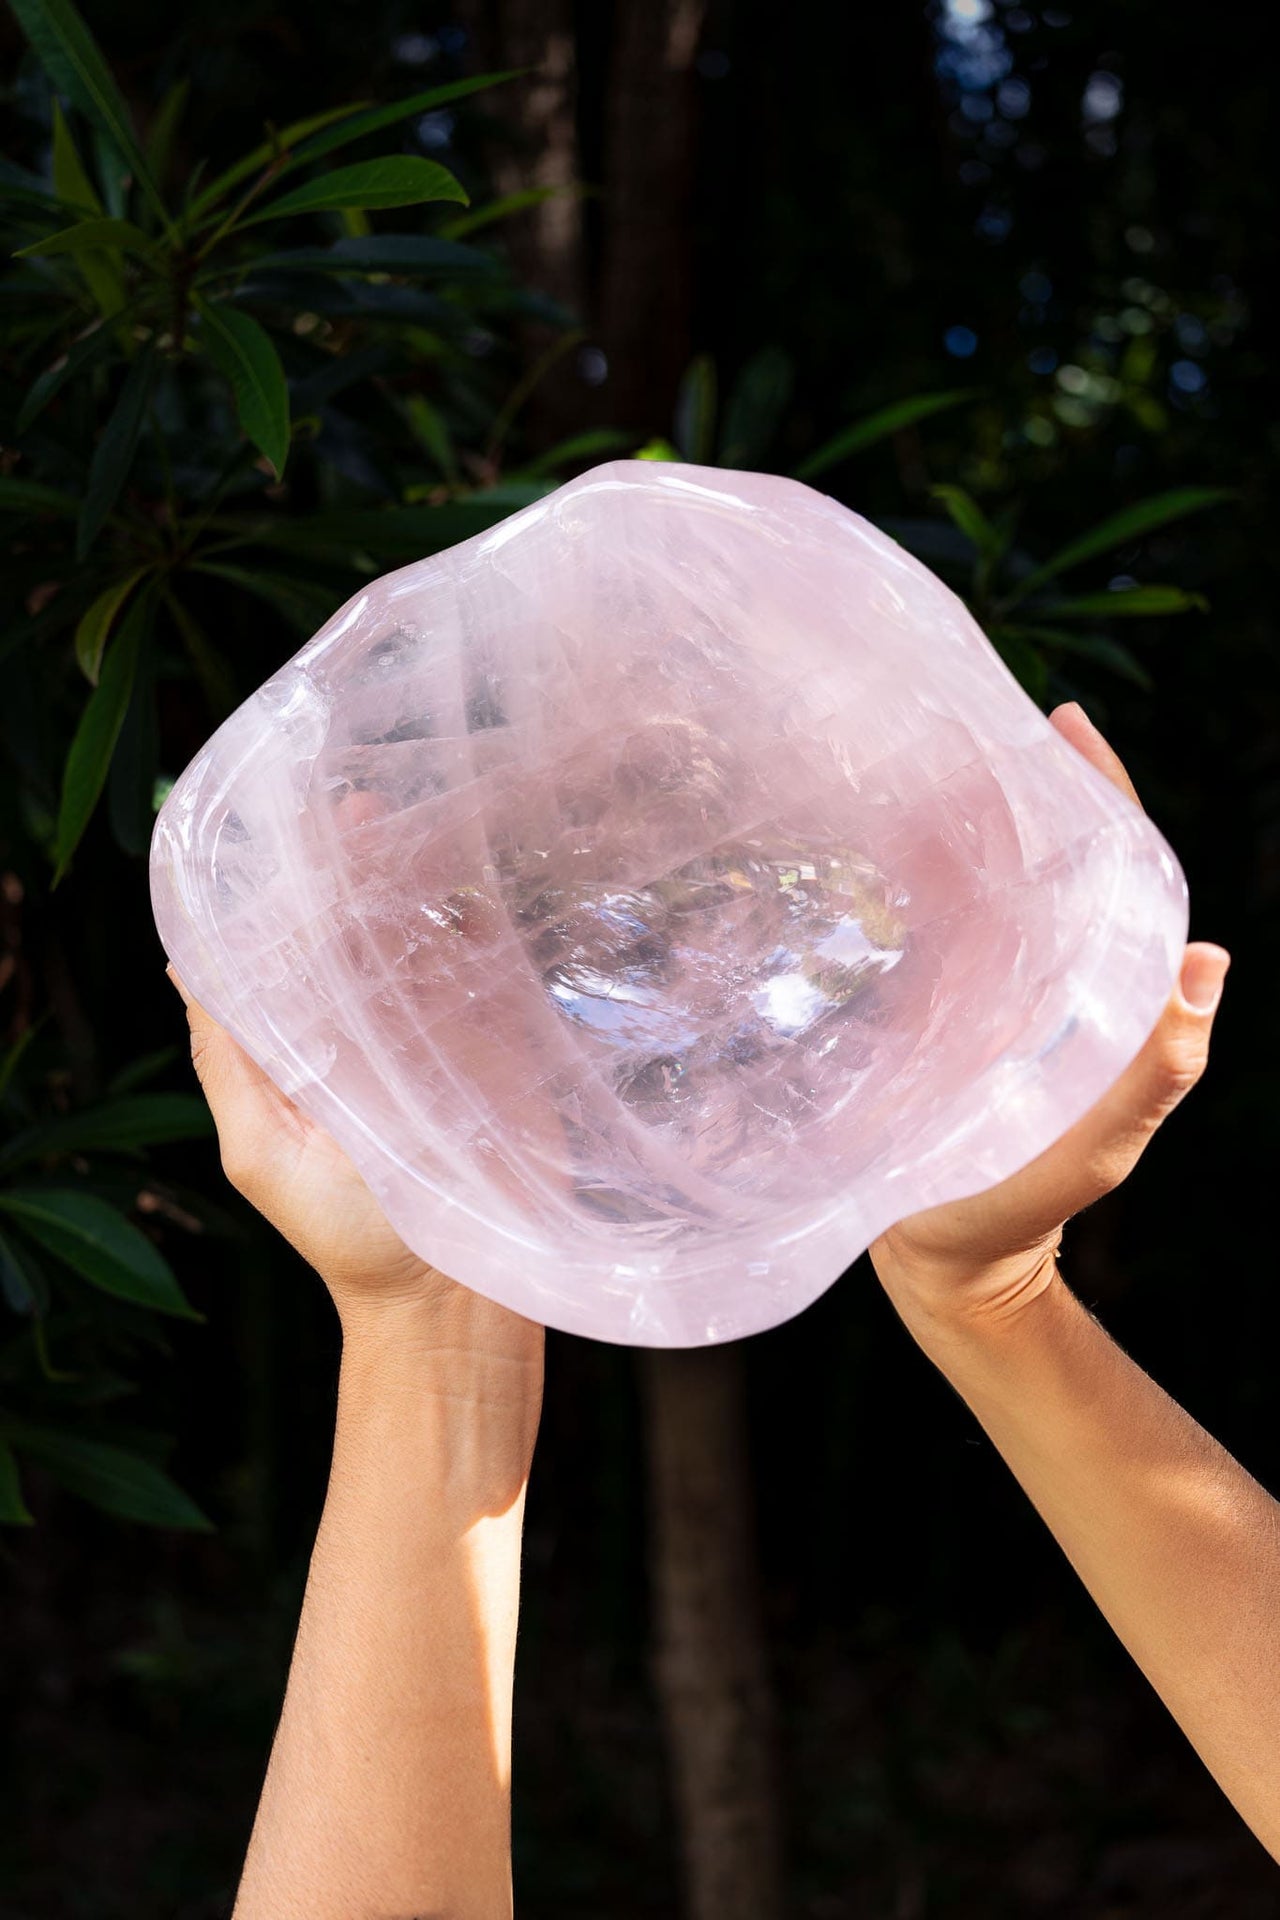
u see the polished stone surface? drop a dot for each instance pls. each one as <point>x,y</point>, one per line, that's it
<point>660,895</point>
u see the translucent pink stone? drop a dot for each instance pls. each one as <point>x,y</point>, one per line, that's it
<point>660,895</point>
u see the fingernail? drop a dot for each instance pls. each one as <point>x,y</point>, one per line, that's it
<point>1203,971</point>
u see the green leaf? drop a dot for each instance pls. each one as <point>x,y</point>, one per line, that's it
<point>71,57</point>
<point>1131,523</point>
<point>303,604</point>
<point>70,181</point>
<point>1089,646</point>
<point>657,449</point>
<point>213,674</point>
<point>113,455</point>
<point>374,119</point>
<point>19,188</point>
<point>29,496</point>
<point>95,625</point>
<point>877,426</point>
<point>1125,603</point>
<point>96,236</point>
<point>433,434</point>
<point>579,446</point>
<point>117,1126</point>
<point>243,353</point>
<point>135,764</point>
<point>99,1244</point>
<point>14,1054</point>
<point>399,181</point>
<point>89,758</point>
<point>263,156</point>
<point>336,373</point>
<point>108,1477</point>
<point>1023,660</point>
<point>145,1068</point>
<point>349,298</point>
<point>165,126</point>
<point>965,513</point>
<point>503,208</point>
<point>756,405</point>
<point>81,354</point>
<point>408,254</point>
<point>695,421</point>
<point>307,140</point>
<point>383,533</point>
<point>21,1280</point>
<point>114,174</point>
<point>13,1508</point>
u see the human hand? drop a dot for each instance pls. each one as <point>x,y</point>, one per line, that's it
<point>984,1259</point>
<point>305,1185</point>
<point>389,1776</point>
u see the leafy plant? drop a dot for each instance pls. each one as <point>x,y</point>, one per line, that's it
<point>1035,626</point>
<point>192,362</point>
<point>228,394</point>
<point>744,433</point>
<point>85,1284</point>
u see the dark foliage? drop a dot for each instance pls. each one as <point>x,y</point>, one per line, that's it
<point>997,276</point>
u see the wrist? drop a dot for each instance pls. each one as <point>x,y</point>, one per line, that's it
<point>448,1383</point>
<point>437,1334</point>
<point>948,1309</point>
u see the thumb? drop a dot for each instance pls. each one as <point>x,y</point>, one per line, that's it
<point>1177,1053</point>
<point>1108,1141</point>
<point>1204,969</point>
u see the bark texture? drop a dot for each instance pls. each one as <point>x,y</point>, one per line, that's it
<point>711,1666</point>
<point>538,147</point>
<point>535,144</point>
<point>644,306</point>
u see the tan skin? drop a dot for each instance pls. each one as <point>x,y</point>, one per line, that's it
<point>387,1791</point>
<point>987,1254</point>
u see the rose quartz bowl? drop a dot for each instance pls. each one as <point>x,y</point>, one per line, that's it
<point>662,894</point>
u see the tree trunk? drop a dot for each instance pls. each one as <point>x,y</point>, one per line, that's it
<point>539,148</point>
<point>711,1665</point>
<point>645,300</point>
<point>633,284</point>
<point>535,144</point>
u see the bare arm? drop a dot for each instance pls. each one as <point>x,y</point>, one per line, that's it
<point>387,1793</point>
<point>1179,1546</point>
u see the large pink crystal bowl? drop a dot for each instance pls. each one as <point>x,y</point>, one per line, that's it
<point>660,895</point>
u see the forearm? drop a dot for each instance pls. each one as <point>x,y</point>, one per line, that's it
<point>388,1788</point>
<point>1178,1545</point>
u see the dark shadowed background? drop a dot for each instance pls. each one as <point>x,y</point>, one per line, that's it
<point>735,231</point>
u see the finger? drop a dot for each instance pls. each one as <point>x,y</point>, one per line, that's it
<point>255,1122</point>
<point>1075,726</point>
<point>1097,1153</point>
<point>223,1068</point>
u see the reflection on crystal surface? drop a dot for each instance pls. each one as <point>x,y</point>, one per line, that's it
<point>752,962</point>
<point>752,954</point>
<point>662,894</point>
